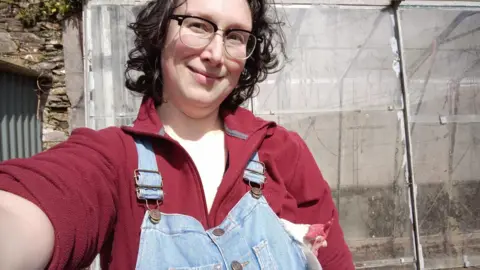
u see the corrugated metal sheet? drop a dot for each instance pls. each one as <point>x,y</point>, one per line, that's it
<point>20,130</point>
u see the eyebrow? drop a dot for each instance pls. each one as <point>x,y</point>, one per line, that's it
<point>232,26</point>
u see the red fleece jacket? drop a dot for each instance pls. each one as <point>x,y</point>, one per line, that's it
<point>86,187</point>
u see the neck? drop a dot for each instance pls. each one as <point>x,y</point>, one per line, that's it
<point>180,126</point>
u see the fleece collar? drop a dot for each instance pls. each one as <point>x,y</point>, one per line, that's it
<point>240,124</point>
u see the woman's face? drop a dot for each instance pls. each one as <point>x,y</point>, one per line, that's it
<point>197,80</point>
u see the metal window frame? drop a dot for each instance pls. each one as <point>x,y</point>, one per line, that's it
<point>418,259</point>
<point>383,3</point>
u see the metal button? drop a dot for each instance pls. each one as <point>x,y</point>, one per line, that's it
<point>155,216</point>
<point>236,265</point>
<point>218,232</point>
<point>256,192</point>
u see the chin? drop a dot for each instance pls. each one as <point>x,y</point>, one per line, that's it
<point>204,97</point>
<point>201,106</point>
<point>198,112</point>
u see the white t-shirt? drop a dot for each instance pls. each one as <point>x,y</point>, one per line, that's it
<point>209,158</point>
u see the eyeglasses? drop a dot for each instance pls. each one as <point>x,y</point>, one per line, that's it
<point>196,32</point>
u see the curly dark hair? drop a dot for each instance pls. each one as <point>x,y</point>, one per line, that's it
<point>150,30</point>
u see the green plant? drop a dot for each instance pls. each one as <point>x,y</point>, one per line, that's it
<point>48,10</point>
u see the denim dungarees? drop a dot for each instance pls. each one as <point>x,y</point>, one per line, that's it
<point>250,237</point>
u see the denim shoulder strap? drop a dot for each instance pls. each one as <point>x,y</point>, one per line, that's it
<point>255,170</point>
<point>148,180</point>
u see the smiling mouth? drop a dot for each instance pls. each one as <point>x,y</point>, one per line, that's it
<point>208,76</point>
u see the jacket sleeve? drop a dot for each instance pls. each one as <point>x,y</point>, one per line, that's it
<point>316,206</point>
<point>74,184</point>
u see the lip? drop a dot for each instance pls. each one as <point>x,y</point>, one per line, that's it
<point>208,75</point>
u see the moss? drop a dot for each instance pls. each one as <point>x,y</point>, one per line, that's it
<point>47,10</point>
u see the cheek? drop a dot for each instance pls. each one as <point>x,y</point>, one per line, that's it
<point>175,53</point>
<point>235,69</point>
<point>183,52</point>
<point>174,50</point>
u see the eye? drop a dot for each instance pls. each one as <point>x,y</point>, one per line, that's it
<point>237,37</point>
<point>197,26</point>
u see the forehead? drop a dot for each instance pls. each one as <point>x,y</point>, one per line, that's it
<point>225,13</point>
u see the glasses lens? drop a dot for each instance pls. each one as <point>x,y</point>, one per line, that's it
<point>240,44</point>
<point>196,33</point>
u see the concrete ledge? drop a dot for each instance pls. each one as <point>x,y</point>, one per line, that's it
<point>7,65</point>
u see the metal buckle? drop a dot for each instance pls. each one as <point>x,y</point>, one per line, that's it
<point>154,215</point>
<point>258,162</point>
<point>136,175</point>
<point>139,189</point>
<point>262,174</point>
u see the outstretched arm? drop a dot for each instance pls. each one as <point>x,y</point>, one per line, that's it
<point>26,233</point>
<point>58,207</point>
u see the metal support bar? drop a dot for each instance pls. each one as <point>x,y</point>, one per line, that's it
<point>385,263</point>
<point>419,262</point>
<point>446,119</point>
<point>322,111</point>
<point>440,3</point>
<point>382,3</point>
<point>280,2</point>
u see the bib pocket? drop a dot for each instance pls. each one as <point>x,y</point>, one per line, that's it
<point>264,256</point>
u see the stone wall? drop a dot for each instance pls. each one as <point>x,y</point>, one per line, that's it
<point>39,47</point>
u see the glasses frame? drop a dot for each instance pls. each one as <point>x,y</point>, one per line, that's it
<point>181,18</point>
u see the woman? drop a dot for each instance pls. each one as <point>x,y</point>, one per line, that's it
<point>187,186</point>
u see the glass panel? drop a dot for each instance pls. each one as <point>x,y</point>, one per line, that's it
<point>442,52</point>
<point>348,49</point>
<point>113,103</point>
<point>341,94</point>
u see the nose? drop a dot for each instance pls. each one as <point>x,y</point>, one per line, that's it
<point>214,52</point>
